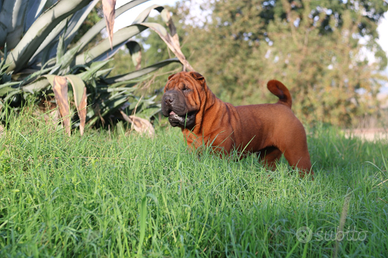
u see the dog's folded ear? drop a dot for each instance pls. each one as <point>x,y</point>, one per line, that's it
<point>172,75</point>
<point>197,76</point>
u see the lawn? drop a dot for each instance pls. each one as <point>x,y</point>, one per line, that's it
<point>107,194</point>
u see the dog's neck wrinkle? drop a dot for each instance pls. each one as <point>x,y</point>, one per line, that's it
<point>212,121</point>
<point>210,99</point>
<point>207,106</point>
<point>211,105</point>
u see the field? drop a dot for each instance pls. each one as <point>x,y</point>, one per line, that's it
<point>110,195</point>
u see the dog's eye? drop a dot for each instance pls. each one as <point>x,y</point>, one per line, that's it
<point>186,89</point>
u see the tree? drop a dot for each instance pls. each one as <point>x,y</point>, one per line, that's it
<point>312,46</point>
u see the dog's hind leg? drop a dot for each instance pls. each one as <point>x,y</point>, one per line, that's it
<point>299,157</point>
<point>269,156</point>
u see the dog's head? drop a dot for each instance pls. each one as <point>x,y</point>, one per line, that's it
<point>182,98</point>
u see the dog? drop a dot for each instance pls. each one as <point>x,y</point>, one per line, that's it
<point>269,130</point>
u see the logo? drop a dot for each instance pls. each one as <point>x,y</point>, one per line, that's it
<point>304,234</point>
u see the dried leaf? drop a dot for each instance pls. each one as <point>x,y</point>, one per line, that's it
<point>171,43</point>
<point>174,35</point>
<point>82,112</point>
<point>80,99</point>
<point>139,124</point>
<point>60,92</point>
<point>108,8</point>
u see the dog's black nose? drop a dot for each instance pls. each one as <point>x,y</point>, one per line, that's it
<point>168,102</point>
<point>168,99</point>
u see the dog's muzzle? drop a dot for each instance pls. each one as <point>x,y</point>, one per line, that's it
<point>174,107</point>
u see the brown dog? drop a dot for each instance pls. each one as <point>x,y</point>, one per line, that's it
<point>268,129</point>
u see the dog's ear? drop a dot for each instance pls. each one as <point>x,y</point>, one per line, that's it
<point>197,76</point>
<point>172,75</point>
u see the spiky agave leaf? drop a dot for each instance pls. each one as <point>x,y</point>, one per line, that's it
<point>70,25</point>
<point>141,72</point>
<point>106,48</point>
<point>40,29</point>
<point>96,29</point>
<point>44,53</point>
<point>135,51</point>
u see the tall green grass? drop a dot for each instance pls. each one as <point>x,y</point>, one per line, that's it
<point>110,195</point>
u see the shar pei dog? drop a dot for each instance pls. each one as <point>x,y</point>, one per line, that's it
<point>270,130</point>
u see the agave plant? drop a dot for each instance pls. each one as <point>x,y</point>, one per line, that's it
<point>38,55</point>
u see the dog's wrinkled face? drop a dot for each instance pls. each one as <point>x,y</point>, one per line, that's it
<point>180,102</point>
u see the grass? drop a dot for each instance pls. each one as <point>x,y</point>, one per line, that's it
<point>110,195</point>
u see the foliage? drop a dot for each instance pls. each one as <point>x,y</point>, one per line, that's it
<point>313,47</point>
<point>41,44</point>
<point>108,195</point>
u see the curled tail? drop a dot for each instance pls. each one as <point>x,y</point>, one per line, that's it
<point>278,89</point>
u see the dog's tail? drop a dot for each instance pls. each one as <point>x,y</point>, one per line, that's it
<point>278,89</point>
